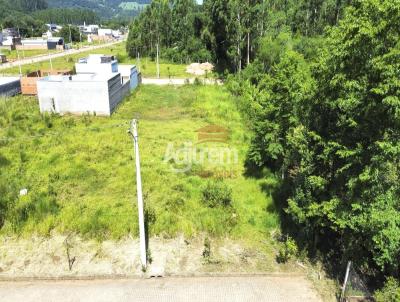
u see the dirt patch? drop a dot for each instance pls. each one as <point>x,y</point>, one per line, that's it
<point>50,257</point>
<point>200,69</point>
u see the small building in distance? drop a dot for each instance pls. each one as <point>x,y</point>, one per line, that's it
<point>105,32</point>
<point>9,39</point>
<point>97,94</point>
<point>48,43</point>
<point>53,27</point>
<point>9,86</point>
<point>91,29</point>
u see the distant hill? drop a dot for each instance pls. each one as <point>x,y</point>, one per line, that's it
<point>104,8</point>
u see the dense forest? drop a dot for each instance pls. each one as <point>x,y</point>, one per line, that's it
<point>318,82</point>
<point>226,32</point>
<point>105,9</point>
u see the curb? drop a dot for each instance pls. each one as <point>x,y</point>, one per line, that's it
<point>146,277</point>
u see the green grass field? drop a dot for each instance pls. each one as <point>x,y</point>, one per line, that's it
<point>80,171</point>
<point>13,54</point>
<point>147,66</point>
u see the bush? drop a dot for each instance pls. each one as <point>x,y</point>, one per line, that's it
<point>390,292</point>
<point>8,193</point>
<point>207,250</point>
<point>287,251</point>
<point>197,82</point>
<point>216,194</point>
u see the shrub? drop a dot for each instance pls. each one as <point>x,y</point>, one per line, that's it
<point>207,250</point>
<point>287,251</point>
<point>47,119</point>
<point>7,194</point>
<point>216,194</point>
<point>390,292</point>
<point>197,82</point>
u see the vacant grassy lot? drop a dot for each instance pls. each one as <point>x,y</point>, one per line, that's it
<point>80,173</point>
<point>13,54</point>
<point>146,65</point>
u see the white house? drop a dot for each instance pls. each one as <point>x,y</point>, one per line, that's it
<point>105,32</point>
<point>103,64</point>
<point>97,63</point>
<point>83,93</point>
<point>89,29</point>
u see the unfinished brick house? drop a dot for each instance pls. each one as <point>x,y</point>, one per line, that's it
<point>29,82</point>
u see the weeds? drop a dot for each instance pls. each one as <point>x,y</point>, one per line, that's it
<point>207,250</point>
<point>83,181</point>
<point>216,193</point>
<point>287,251</point>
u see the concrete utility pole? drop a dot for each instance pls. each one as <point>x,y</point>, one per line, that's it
<point>158,63</point>
<point>51,62</point>
<point>133,132</point>
<point>346,278</point>
<point>19,64</point>
<point>70,35</point>
<point>138,61</point>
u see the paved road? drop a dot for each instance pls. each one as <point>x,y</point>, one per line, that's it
<point>207,289</point>
<point>54,56</point>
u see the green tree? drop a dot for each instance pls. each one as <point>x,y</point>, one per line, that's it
<point>70,33</point>
<point>343,162</point>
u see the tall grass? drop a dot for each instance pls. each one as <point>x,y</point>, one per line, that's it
<point>80,173</point>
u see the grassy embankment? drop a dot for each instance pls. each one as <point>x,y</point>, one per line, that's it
<point>23,54</point>
<point>80,171</point>
<point>146,65</point>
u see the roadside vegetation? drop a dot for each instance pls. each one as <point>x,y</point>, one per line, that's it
<point>80,173</point>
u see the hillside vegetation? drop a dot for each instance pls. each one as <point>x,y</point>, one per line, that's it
<point>105,9</point>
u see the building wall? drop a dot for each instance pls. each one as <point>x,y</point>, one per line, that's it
<point>80,97</point>
<point>129,72</point>
<point>104,32</point>
<point>74,97</point>
<point>29,85</point>
<point>11,88</point>
<point>104,68</point>
<point>29,82</point>
<point>31,47</point>
<point>117,92</point>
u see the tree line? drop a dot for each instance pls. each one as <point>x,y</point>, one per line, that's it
<point>324,110</point>
<point>318,84</point>
<point>228,32</point>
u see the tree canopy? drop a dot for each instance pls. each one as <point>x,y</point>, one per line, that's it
<point>327,123</point>
<point>318,83</point>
